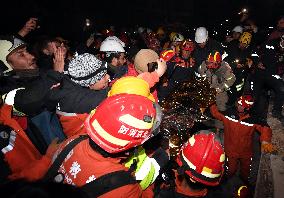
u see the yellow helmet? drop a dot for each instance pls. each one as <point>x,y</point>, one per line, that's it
<point>172,35</point>
<point>245,38</point>
<point>131,85</point>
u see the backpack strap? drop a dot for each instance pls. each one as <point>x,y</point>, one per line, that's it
<point>52,171</point>
<point>108,182</point>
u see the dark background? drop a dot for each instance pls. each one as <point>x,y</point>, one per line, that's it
<point>66,18</point>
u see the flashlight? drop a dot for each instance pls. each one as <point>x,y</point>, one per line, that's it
<point>88,22</point>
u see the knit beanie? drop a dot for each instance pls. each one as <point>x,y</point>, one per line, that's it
<point>86,69</point>
<point>143,57</point>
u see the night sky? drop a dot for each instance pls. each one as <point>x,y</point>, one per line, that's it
<point>67,17</point>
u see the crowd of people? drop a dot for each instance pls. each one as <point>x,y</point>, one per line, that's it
<point>86,121</point>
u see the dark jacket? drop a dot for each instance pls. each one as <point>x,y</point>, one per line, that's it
<point>271,55</point>
<point>201,54</point>
<point>39,95</point>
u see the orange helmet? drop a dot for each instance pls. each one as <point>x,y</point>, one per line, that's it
<point>123,121</point>
<point>246,101</point>
<point>188,45</point>
<point>214,60</point>
<point>202,158</point>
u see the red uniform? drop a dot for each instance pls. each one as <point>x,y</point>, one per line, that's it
<point>83,165</point>
<point>21,155</point>
<point>238,136</point>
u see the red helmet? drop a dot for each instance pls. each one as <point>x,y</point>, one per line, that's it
<point>202,158</point>
<point>123,121</point>
<point>214,60</point>
<point>167,55</point>
<point>188,45</point>
<point>246,101</point>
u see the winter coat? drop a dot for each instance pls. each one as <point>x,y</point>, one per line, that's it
<point>272,57</point>
<point>220,79</point>
<point>201,54</point>
<point>56,90</point>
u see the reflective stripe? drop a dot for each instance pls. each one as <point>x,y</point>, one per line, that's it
<point>205,172</point>
<point>188,162</point>
<point>229,118</point>
<point>199,75</point>
<point>11,144</point>
<point>269,47</point>
<point>251,86</point>
<point>9,98</point>
<point>107,136</point>
<point>147,172</point>
<point>254,55</point>
<point>276,76</point>
<point>229,78</point>
<point>247,124</point>
<point>227,86</point>
<point>241,122</point>
<point>134,122</point>
<point>240,86</point>
<point>224,55</point>
<point>65,113</point>
<point>147,169</point>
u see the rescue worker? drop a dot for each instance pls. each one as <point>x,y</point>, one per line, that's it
<point>112,51</point>
<point>200,163</point>
<point>176,42</point>
<point>184,63</point>
<point>19,157</point>
<point>239,128</point>
<point>235,36</point>
<point>205,45</point>
<point>104,154</point>
<point>267,76</point>
<point>220,76</point>
<point>241,61</point>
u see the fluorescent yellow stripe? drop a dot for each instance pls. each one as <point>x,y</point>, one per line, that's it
<point>210,175</point>
<point>134,122</point>
<point>107,136</point>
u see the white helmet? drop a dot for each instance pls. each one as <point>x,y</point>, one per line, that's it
<point>238,29</point>
<point>6,47</point>
<point>111,46</point>
<point>178,37</point>
<point>201,35</point>
<point>114,38</point>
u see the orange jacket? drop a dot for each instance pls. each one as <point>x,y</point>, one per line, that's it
<point>72,123</point>
<point>83,165</point>
<point>20,154</point>
<point>238,134</point>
